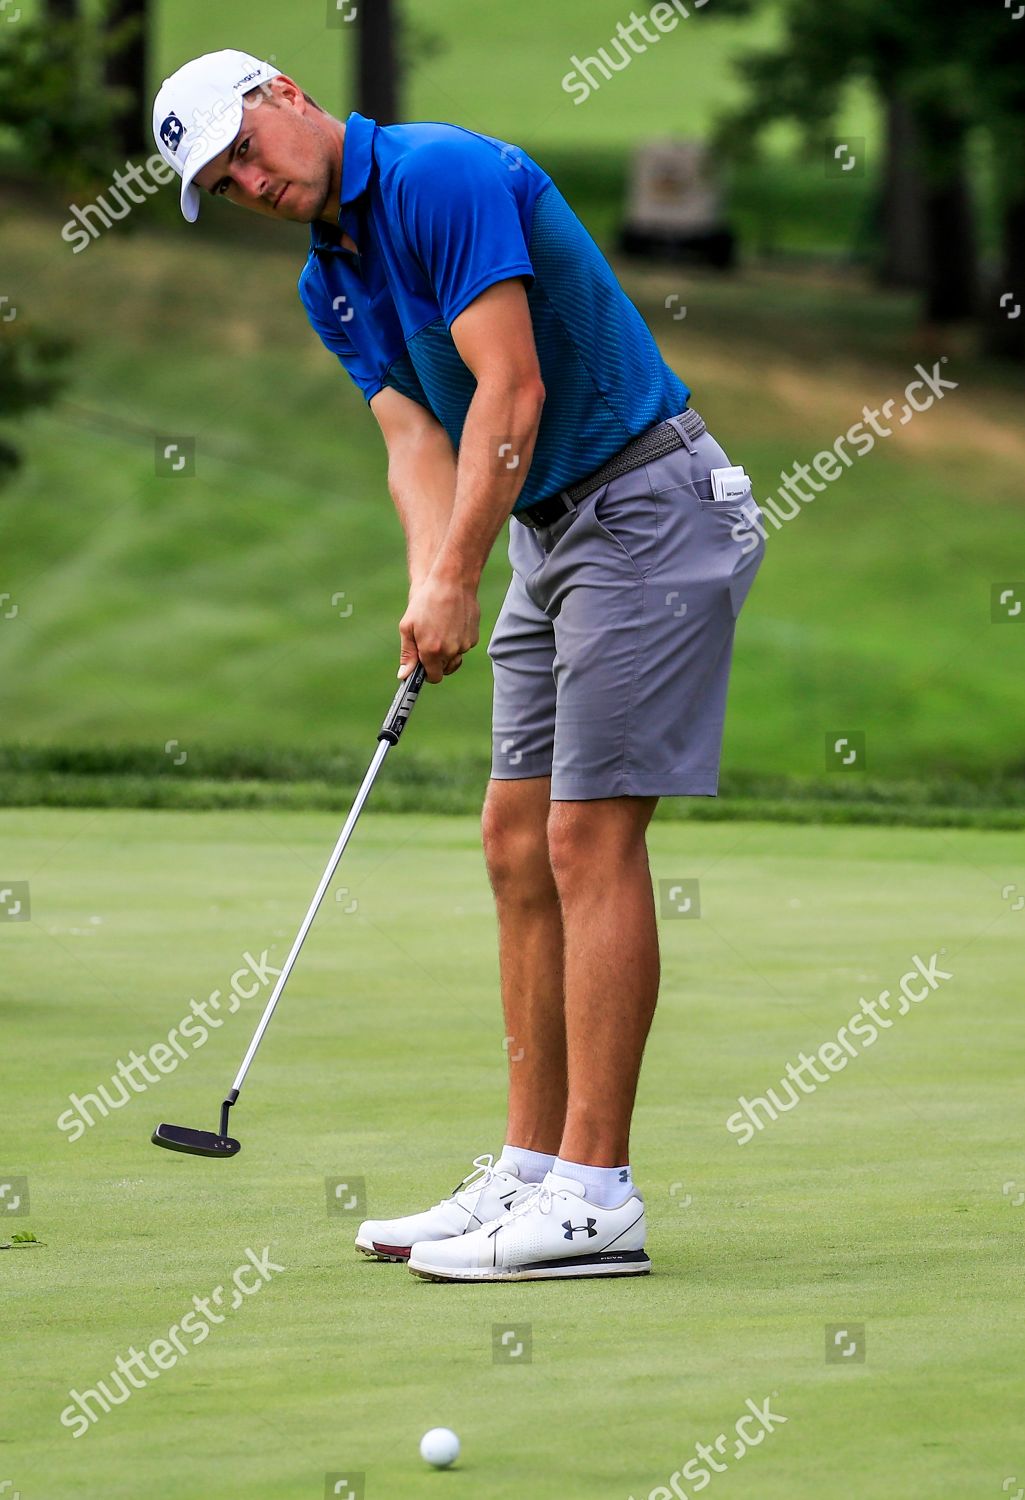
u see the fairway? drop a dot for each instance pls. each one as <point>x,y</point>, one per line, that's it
<point>891,1197</point>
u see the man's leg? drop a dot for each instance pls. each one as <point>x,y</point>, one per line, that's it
<point>514,827</point>
<point>598,901</point>
<point>600,864</point>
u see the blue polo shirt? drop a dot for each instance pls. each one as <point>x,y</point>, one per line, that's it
<point>439,214</point>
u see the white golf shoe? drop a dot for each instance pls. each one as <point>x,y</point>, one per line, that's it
<point>488,1192</point>
<point>551,1231</point>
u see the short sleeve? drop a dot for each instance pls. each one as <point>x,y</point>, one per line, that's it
<point>332,334</point>
<point>459,212</point>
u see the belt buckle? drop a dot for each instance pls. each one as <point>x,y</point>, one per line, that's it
<point>567,505</point>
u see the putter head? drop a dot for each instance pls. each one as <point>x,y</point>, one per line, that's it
<point>195,1142</point>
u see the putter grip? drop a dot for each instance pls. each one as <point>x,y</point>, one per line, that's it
<point>402,705</point>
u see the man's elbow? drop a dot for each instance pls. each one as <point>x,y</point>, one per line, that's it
<point>511,387</point>
<point>529,398</point>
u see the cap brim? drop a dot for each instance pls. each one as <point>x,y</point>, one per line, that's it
<point>190,200</point>
<point>207,146</point>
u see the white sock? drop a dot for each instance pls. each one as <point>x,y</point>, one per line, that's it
<point>608,1187</point>
<point>531,1165</point>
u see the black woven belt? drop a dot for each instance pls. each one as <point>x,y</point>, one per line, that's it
<point>663,438</point>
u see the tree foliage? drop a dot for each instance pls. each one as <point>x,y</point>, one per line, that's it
<point>52,100</point>
<point>945,58</point>
<point>31,375</point>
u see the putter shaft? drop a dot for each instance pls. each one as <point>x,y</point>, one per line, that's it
<point>394,723</point>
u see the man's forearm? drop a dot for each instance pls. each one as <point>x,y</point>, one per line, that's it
<point>495,453</point>
<point>422,482</point>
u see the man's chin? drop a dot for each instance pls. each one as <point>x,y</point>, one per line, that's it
<point>301,208</point>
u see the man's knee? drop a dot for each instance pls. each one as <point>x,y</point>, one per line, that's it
<point>514,833</point>
<point>585,839</point>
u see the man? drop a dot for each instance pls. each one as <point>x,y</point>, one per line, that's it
<point>510,375</point>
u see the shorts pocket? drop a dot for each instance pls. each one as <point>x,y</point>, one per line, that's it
<point>699,490</point>
<point>625,513</point>
<point>742,514</point>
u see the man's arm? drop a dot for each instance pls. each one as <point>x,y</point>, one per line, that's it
<point>495,340</point>
<point>421,476</point>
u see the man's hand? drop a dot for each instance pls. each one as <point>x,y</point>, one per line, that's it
<point>441,622</point>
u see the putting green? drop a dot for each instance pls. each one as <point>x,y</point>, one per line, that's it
<point>879,1200</point>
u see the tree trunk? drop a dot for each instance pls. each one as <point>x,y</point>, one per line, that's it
<point>951,269</point>
<point>903,209</point>
<point>126,69</point>
<point>1005,306</point>
<point>377,82</point>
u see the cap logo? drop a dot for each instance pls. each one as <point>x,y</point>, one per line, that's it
<point>171,132</point>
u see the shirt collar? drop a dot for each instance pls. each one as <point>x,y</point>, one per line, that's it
<point>357,161</point>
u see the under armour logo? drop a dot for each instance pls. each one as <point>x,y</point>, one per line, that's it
<point>572,1229</point>
<point>171,132</point>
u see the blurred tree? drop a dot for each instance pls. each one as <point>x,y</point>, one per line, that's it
<point>51,98</point>
<point>1005,306</point>
<point>1004,106</point>
<point>30,374</point>
<point>390,43</point>
<point>901,209</point>
<point>949,66</point>
<point>127,74</point>
<point>377,50</point>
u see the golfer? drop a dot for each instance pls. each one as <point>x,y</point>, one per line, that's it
<point>513,379</point>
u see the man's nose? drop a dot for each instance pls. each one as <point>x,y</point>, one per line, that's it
<point>252,180</point>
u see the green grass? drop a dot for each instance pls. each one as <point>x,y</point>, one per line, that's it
<point>500,71</point>
<point>200,610</point>
<point>293,779</point>
<point>879,1200</point>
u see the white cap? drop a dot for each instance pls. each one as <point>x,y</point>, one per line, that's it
<point>198,113</point>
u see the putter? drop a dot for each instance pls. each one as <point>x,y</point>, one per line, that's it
<point>219,1142</point>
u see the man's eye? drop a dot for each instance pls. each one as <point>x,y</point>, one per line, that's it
<point>244,147</point>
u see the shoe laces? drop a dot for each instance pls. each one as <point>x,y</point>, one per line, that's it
<point>476,1181</point>
<point>537,1196</point>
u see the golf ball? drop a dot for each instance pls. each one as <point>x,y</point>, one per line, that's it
<point>439,1447</point>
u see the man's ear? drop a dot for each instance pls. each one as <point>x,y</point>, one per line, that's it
<point>286,91</point>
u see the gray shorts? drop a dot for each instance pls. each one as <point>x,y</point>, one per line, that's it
<point>611,653</point>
